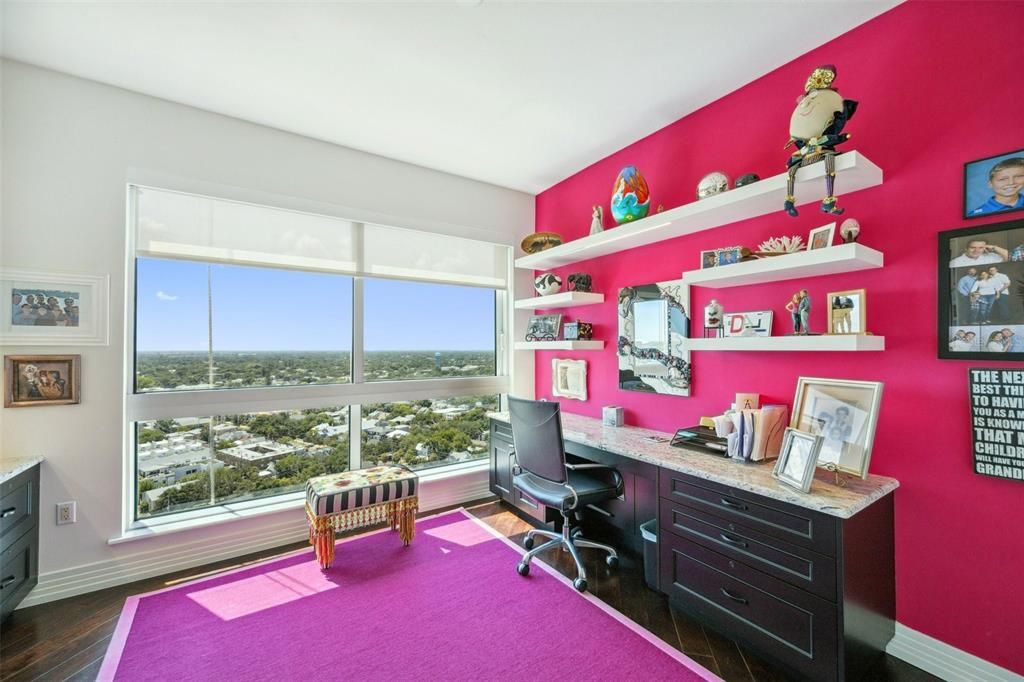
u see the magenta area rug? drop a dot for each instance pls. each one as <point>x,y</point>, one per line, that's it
<point>448,607</point>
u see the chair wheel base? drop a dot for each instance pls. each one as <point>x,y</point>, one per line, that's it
<point>612,561</point>
<point>528,543</point>
<point>523,569</point>
<point>580,584</point>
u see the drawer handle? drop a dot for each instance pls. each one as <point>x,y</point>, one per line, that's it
<point>732,596</point>
<point>10,511</point>
<point>732,540</point>
<point>734,505</point>
<point>7,581</point>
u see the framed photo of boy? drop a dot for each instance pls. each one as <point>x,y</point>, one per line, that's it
<point>54,309</point>
<point>42,380</point>
<point>981,292</point>
<point>994,185</point>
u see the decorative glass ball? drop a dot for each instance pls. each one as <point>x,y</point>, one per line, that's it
<point>746,179</point>
<point>712,184</point>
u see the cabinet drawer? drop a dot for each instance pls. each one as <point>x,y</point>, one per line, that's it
<point>797,627</point>
<point>529,505</point>
<point>501,431</point>
<point>17,507</point>
<point>796,525</point>
<point>795,565</point>
<point>18,571</point>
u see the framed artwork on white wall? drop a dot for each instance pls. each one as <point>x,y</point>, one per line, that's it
<point>54,309</point>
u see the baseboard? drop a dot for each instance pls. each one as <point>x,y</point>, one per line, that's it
<point>75,580</point>
<point>944,661</point>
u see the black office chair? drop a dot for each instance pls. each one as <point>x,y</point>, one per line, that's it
<point>542,473</point>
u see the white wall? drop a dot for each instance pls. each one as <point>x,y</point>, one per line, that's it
<point>69,147</point>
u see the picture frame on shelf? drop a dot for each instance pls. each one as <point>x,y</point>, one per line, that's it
<point>994,185</point>
<point>845,414</point>
<point>544,327</point>
<point>708,259</point>
<point>569,378</point>
<point>847,312</point>
<point>37,380</point>
<point>756,323</point>
<point>577,331</point>
<point>728,256</point>
<point>980,301</point>
<point>54,309</point>
<point>821,237</point>
<point>797,459</point>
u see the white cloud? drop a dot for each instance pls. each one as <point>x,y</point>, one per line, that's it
<point>164,296</point>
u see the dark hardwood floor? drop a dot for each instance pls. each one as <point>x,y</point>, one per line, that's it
<point>66,640</point>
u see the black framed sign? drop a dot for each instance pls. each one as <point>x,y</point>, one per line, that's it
<point>994,185</point>
<point>981,292</point>
<point>997,422</point>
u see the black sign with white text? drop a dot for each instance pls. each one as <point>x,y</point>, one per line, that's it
<point>997,422</point>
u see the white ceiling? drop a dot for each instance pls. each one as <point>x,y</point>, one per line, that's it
<point>519,94</point>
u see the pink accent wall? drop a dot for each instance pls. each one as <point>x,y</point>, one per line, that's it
<point>939,83</point>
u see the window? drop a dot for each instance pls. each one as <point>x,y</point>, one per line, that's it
<point>262,335</point>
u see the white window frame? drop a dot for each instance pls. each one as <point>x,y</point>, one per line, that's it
<point>205,403</point>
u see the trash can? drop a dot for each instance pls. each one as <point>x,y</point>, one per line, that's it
<point>649,532</point>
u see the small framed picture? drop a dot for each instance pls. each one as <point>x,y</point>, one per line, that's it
<point>847,312</point>
<point>844,413</point>
<point>54,309</point>
<point>797,459</point>
<point>981,302</point>
<point>569,378</point>
<point>757,323</point>
<point>544,327</point>
<point>42,380</point>
<point>708,259</point>
<point>821,237</point>
<point>733,254</point>
<point>994,185</point>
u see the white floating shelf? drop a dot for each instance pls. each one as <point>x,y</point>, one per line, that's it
<point>559,345</point>
<point>566,299</point>
<point>850,342</point>
<point>828,261</point>
<point>854,172</point>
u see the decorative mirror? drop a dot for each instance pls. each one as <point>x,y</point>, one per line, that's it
<point>654,324</point>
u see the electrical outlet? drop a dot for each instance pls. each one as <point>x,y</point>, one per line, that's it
<point>66,513</point>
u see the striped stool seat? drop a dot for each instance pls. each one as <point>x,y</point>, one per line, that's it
<point>354,499</point>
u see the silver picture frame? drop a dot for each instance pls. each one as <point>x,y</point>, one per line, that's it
<point>797,459</point>
<point>845,414</point>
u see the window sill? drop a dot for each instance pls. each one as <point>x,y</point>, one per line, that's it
<point>215,516</point>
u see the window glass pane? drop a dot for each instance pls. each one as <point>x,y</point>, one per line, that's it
<point>427,433</point>
<point>268,327</point>
<point>413,330</point>
<point>244,456</point>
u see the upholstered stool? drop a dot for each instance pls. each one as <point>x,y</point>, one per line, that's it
<point>354,499</point>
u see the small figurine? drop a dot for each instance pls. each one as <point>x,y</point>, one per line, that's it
<point>849,230</point>
<point>713,316</point>
<point>799,307</point>
<point>815,128</point>
<point>597,222</point>
<point>579,281</point>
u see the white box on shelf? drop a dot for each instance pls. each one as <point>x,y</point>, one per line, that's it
<point>613,415</point>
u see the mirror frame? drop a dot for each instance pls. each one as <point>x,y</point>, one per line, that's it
<point>676,365</point>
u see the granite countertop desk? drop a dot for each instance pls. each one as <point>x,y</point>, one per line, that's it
<point>629,441</point>
<point>12,466</point>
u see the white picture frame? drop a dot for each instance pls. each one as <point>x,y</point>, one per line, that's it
<point>798,459</point>
<point>76,313</point>
<point>821,237</point>
<point>569,378</point>
<point>756,323</point>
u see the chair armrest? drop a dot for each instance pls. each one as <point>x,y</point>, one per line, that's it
<point>616,476</point>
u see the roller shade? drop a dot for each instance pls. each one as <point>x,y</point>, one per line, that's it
<point>192,227</point>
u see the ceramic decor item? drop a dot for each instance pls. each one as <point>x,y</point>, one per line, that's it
<point>631,200</point>
<point>539,241</point>
<point>579,281</point>
<point>747,179</point>
<point>547,284</point>
<point>849,230</point>
<point>815,128</point>
<point>597,219</point>
<point>712,184</point>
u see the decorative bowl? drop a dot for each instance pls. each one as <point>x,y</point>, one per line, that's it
<point>539,241</point>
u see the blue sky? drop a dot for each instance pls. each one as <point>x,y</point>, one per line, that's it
<point>263,309</point>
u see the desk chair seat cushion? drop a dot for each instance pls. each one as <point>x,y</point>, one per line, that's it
<point>591,487</point>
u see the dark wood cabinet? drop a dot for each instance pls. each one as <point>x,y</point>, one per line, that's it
<point>500,475</point>
<point>812,591</point>
<point>19,538</point>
